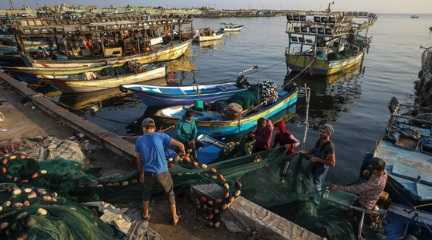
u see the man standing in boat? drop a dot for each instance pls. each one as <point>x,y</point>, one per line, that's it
<point>322,157</point>
<point>186,130</point>
<point>153,165</point>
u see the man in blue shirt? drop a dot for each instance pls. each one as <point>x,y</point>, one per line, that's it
<point>153,165</point>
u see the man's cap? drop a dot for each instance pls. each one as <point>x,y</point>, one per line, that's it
<point>148,122</point>
<point>329,128</point>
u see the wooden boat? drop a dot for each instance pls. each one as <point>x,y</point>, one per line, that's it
<point>183,95</point>
<point>73,85</point>
<point>213,37</point>
<point>430,29</point>
<point>73,67</point>
<point>415,16</point>
<point>406,148</point>
<point>230,27</point>
<point>326,43</point>
<point>206,34</point>
<point>213,123</point>
<point>323,67</point>
<point>165,53</point>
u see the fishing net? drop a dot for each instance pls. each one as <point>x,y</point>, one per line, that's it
<point>292,194</point>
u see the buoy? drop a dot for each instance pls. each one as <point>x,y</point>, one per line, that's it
<point>238,184</point>
<point>226,186</point>
<point>125,183</point>
<point>42,211</point>
<point>210,202</point>
<point>16,191</point>
<point>226,193</point>
<point>4,170</point>
<point>237,193</point>
<point>217,224</point>
<point>221,178</point>
<point>7,203</point>
<point>26,203</point>
<point>204,166</point>
<point>18,205</point>
<point>35,175</point>
<point>1,208</point>
<point>13,157</point>
<point>5,161</point>
<point>213,170</point>
<point>27,190</point>
<point>32,195</point>
<point>42,191</point>
<point>47,198</point>
<point>43,172</point>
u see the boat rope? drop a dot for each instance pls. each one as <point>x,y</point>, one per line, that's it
<point>288,82</point>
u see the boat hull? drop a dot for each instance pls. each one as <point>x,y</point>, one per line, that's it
<point>320,67</point>
<point>64,68</point>
<point>162,96</point>
<point>165,101</point>
<point>233,127</point>
<point>76,86</point>
<point>210,38</point>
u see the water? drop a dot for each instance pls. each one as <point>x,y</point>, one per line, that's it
<point>356,104</point>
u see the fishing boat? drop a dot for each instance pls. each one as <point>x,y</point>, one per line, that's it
<point>215,123</point>
<point>73,85</point>
<point>326,43</point>
<point>430,29</point>
<point>406,148</point>
<point>231,27</point>
<point>207,34</point>
<point>415,16</point>
<point>183,95</point>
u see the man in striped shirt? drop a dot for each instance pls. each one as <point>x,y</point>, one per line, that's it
<point>368,192</point>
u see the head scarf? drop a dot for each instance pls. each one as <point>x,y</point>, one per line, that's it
<point>329,128</point>
<point>282,127</point>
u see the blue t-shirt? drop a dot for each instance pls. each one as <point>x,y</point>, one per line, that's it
<point>151,150</point>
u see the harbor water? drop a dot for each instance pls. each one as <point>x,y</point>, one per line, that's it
<point>355,103</point>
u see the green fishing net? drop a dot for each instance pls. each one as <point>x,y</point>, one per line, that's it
<point>292,194</point>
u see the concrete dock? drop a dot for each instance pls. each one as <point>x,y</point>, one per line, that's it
<point>29,114</point>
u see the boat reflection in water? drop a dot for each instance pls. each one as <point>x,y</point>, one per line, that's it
<point>329,95</point>
<point>114,97</point>
<point>211,44</point>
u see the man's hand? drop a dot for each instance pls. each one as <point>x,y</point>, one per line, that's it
<point>333,188</point>
<point>141,177</point>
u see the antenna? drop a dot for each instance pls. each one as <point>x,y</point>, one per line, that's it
<point>329,6</point>
<point>11,4</point>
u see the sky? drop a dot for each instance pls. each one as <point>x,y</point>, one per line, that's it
<point>377,6</point>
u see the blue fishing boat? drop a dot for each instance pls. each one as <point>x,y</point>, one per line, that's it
<point>183,95</point>
<point>216,123</point>
<point>407,148</point>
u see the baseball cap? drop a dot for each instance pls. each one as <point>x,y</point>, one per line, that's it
<point>148,122</point>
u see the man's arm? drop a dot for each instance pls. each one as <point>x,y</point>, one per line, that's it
<point>357,188</point>
<point>179,145</point>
